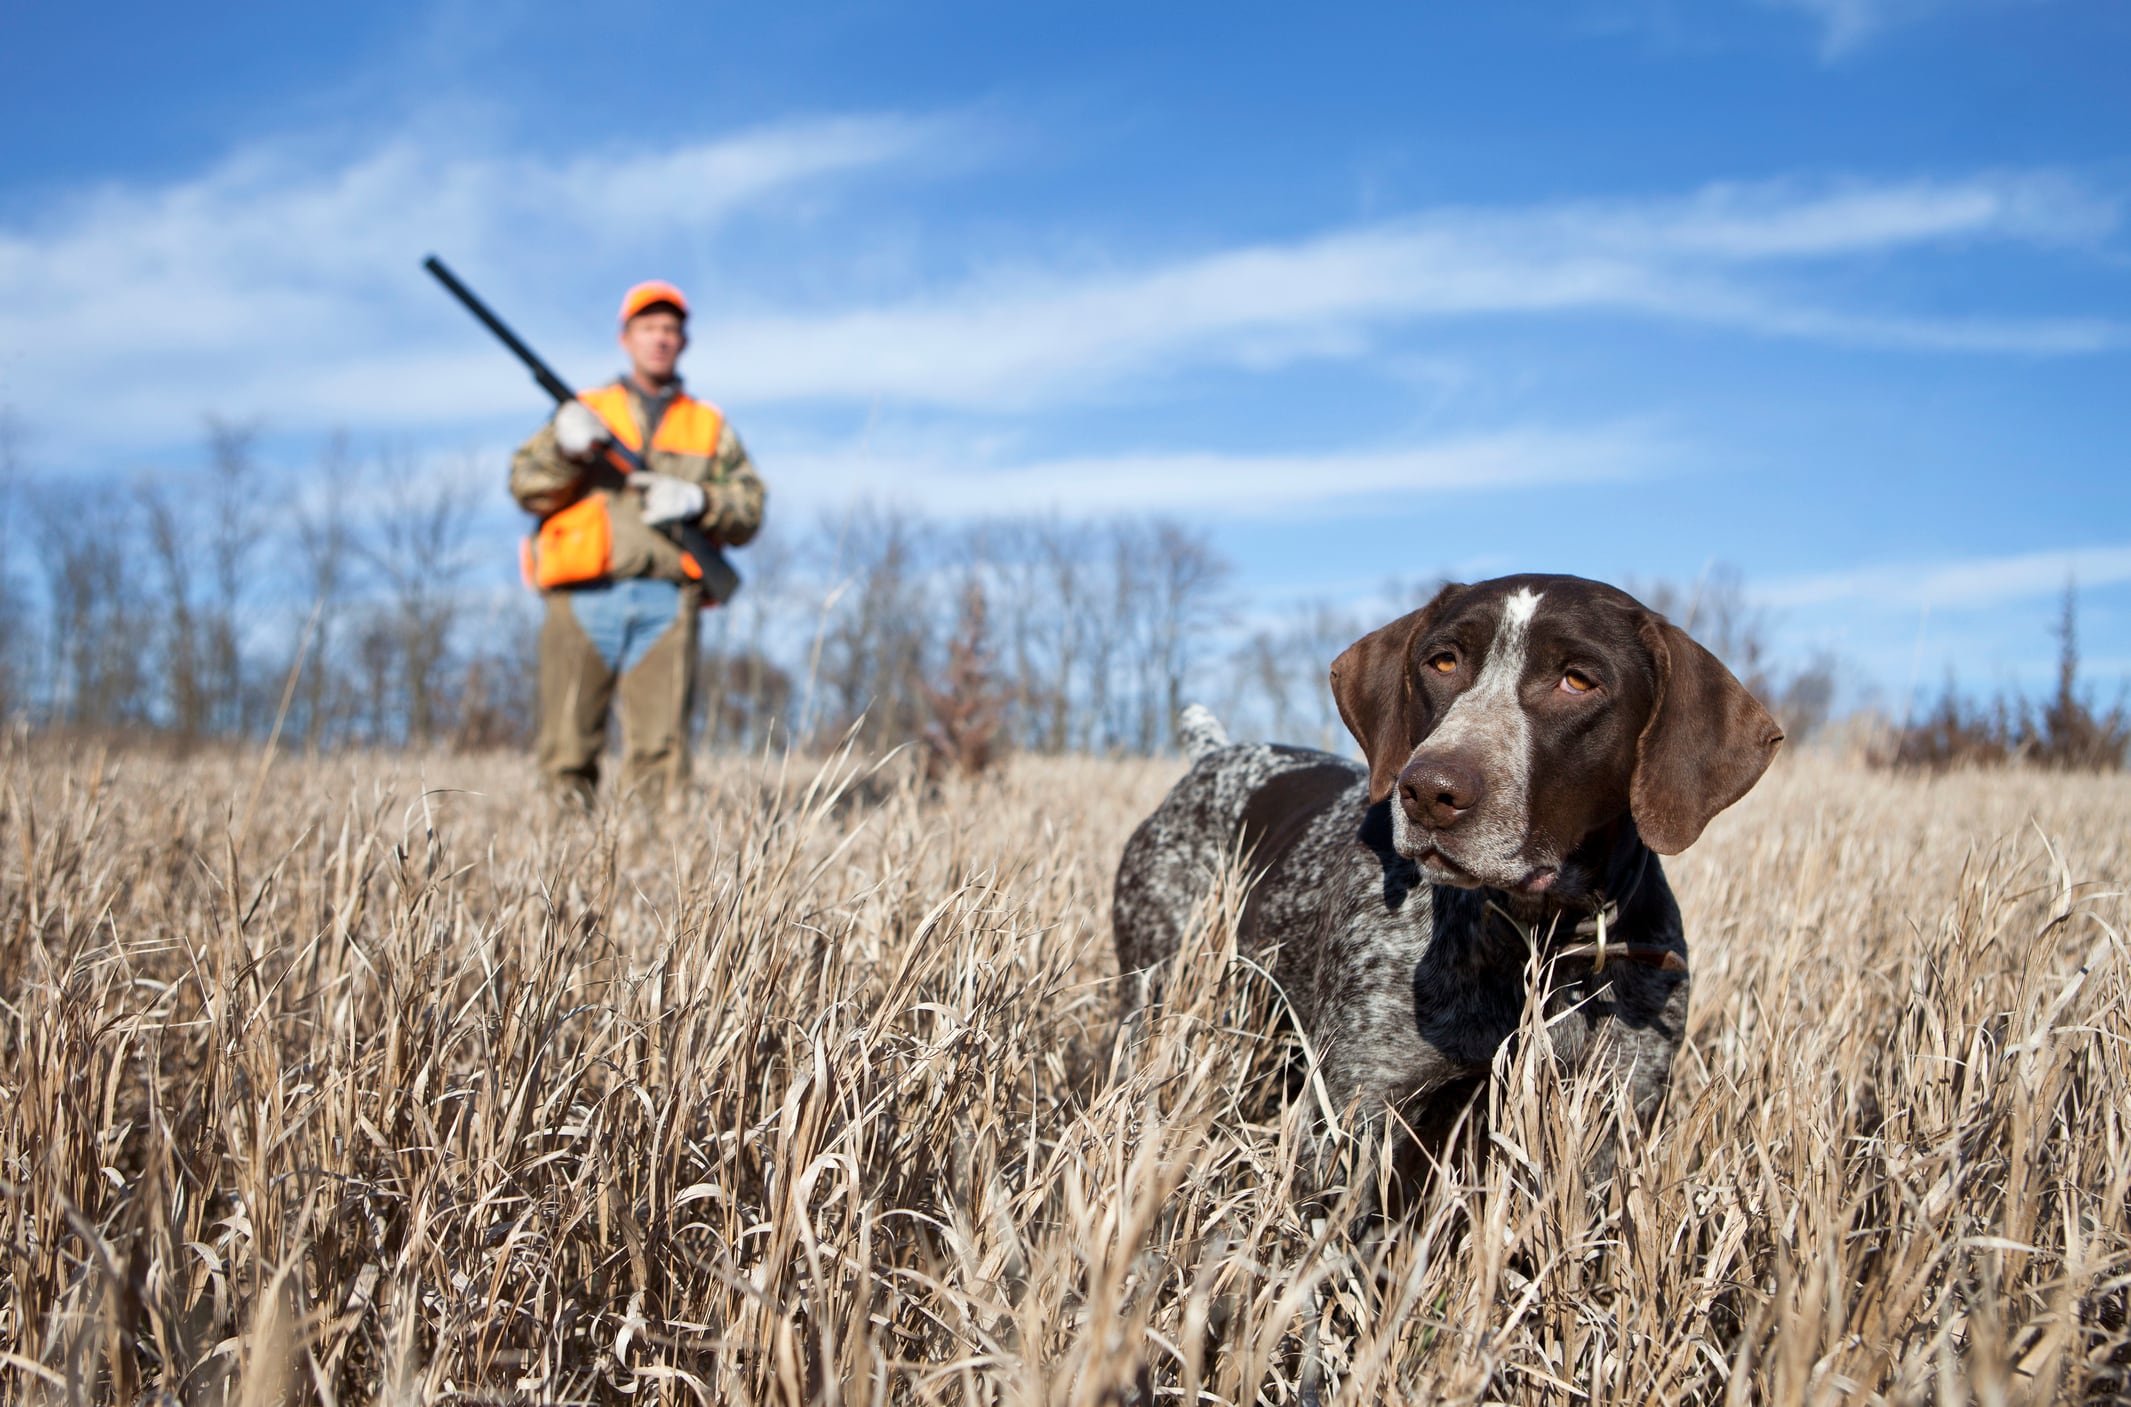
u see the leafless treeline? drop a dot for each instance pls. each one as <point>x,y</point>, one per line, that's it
<point>184,603</point>
<point>1093,630</point>
<point>1088,635</point>
<point>2066,732</point>
<point>375,606</point>
<point>1716,609</point>
<point>366,601</point>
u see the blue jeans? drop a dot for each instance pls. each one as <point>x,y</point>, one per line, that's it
<point>629,641</point>
<point>624,619</point>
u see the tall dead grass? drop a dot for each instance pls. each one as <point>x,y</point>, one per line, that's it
<point>375,1082</point>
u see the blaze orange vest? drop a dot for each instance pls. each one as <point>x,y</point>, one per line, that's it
<point>575,545</point>
<point>688,427</point>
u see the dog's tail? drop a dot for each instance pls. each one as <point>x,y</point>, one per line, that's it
<point>1199,731</point>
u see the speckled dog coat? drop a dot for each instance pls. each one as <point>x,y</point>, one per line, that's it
<point>1530,742</point>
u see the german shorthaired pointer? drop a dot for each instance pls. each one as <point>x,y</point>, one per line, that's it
<point>1542,736</point>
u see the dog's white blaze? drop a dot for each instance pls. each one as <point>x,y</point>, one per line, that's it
<point>1488,722</point>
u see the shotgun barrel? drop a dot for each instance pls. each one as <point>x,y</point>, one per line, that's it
<point>718,574</point>
<point>543,374</point>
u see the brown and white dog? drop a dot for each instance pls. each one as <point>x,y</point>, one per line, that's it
<point>1529,742</point>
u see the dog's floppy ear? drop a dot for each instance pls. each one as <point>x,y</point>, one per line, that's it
<point>1706,744</point>
<point>1372,682</point>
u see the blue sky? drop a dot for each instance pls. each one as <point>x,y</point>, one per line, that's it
<point>1835,291</point>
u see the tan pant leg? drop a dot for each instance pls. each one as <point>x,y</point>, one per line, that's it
<point>575,688</point>
<point>654,700</point>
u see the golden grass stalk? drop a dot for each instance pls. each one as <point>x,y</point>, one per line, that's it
<point>391,1087</point>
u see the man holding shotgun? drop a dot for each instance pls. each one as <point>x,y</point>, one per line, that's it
<point>611,555</point>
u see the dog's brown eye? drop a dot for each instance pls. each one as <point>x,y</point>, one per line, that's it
<point>1577,682</point>
<point>1445,663</point>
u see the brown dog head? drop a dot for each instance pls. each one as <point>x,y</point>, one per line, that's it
<point>1514,718</point>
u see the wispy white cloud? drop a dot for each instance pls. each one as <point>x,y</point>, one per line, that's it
<point>1848,26</point>
<point>1973,582</point>
<point>1019,339</point>
<point>1744,221</point>
<point>282,285</point>
<point>1215,486</point>
<point>276,278</point>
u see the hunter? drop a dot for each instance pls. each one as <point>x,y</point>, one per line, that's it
<point>624,563</point>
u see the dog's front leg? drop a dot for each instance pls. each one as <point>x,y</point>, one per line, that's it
<point>1616,1035</point>
<point>1384,1102</point>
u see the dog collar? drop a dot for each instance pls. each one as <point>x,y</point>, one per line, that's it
<point>1595,934</point>
<point>1595,929</point>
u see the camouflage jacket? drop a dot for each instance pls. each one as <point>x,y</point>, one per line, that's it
<point>543,481</point>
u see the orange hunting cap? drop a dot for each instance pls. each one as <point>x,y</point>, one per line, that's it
<point>651,291</point>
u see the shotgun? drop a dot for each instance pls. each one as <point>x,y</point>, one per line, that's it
<point>718,574</point>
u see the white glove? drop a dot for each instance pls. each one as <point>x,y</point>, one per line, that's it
<point>579,434</point>
<point>670,500</point>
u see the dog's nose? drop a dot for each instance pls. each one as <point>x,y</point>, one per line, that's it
<point>1437,793</point>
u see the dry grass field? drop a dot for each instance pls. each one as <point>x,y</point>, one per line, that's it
<point>366,1079</point>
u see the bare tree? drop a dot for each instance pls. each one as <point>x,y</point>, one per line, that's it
<point>2072,734</point>
<point>875,642</point>
<point>2067,732</point>
<point>1807,698</point>
<point>97,636</point>
<point>1717,611</point>
<point>417,547</point>
<point>1279,674</point>
<point>967,706</point>
<point>15,630</point>
<point>1037,576</point>
<point>324,544</point>
<point>496,703</point>
<point>1323,631</point>
<point>376,665</point>
<point>1068,630</point>
<point>234,528</point>
<point>1261,667</point>
<point>1042,581</point>
<point>742,693</point>
<point>745,699</point>
<point>1187,580</point>
<point>1120,608</point>
<point>171,543</point>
